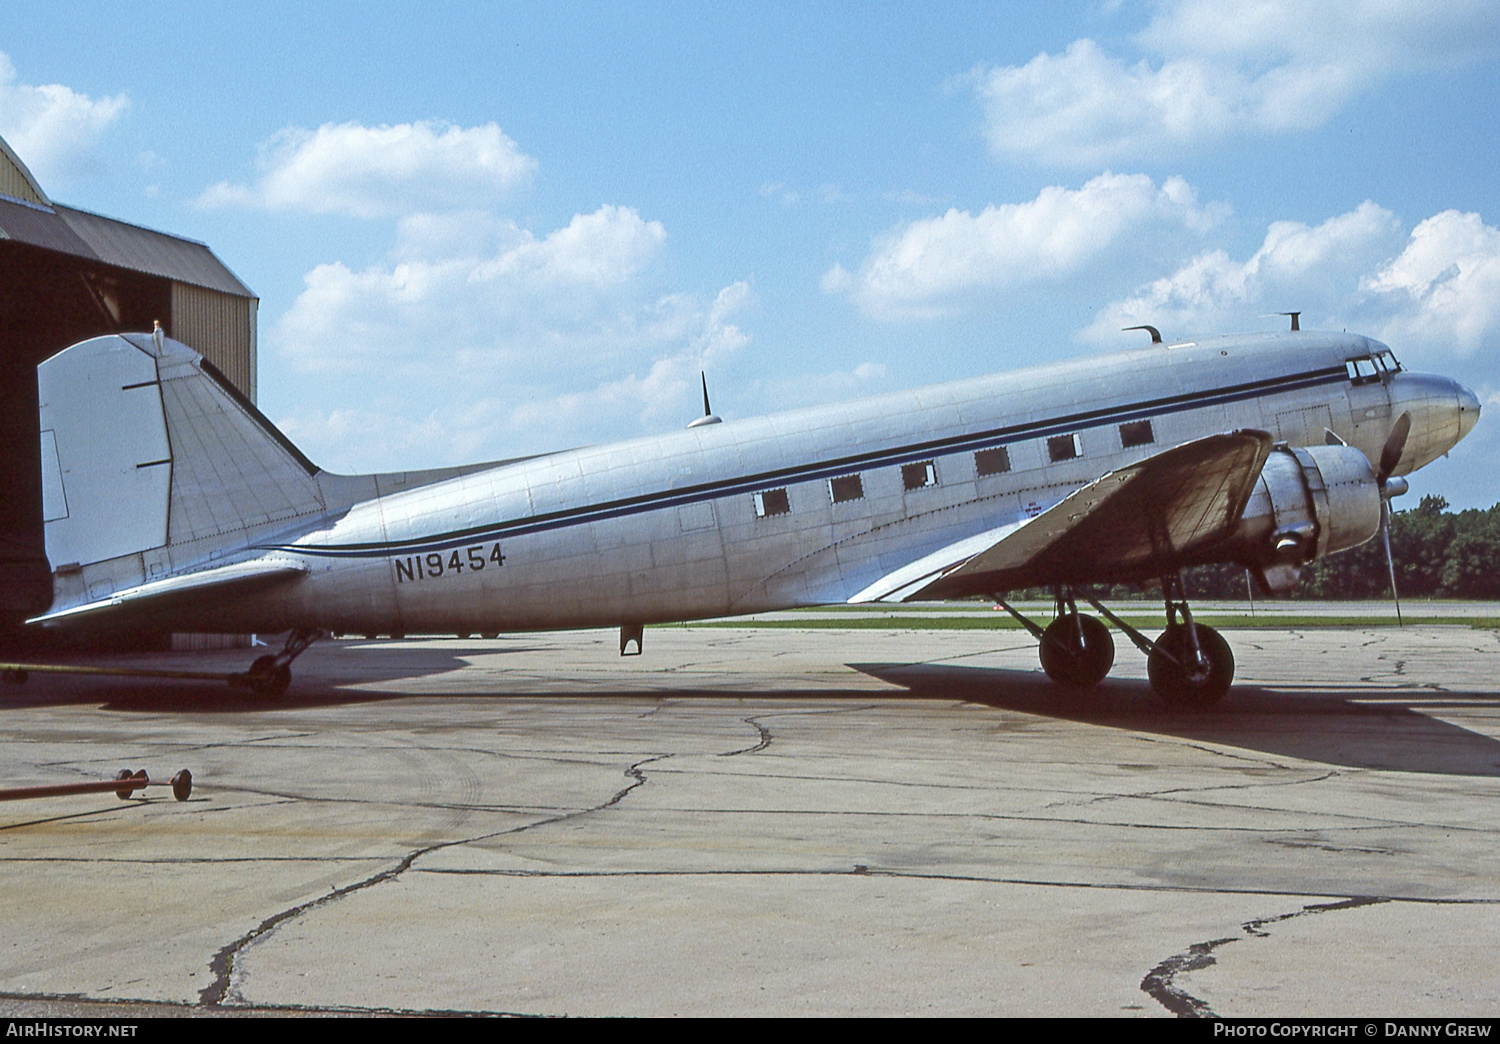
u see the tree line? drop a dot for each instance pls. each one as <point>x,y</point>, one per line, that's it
<point>1438,554</point>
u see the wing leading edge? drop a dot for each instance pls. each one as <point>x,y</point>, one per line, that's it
<point>1140,521</point>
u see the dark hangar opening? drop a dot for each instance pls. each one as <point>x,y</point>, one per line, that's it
<point>67,275</point>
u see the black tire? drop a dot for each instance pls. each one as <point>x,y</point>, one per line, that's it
<point>1177,680</point>
<point>268,679</point>
<point>1072,665</point>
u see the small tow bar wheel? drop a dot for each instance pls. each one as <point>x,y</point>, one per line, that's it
<point>182,785</point>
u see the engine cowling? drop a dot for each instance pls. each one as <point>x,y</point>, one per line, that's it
<point>1309,501</point>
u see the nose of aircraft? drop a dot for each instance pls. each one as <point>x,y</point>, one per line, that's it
<point>1442,412</point>
<point>1468,410</point>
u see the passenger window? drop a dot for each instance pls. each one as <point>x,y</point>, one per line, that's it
<point>992,461</point>
<point>1136,433</point>
<point>772,502</point>
<point>919,475</point>
<point>1064,447</point>
<point>846,488</point>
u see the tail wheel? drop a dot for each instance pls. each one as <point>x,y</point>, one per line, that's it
<point>1179,679</point>
<point>1074,663</point>
<point>267,678</point>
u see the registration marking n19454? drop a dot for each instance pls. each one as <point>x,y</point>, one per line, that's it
<point>437,564</point>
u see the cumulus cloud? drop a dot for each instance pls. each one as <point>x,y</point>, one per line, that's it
<point>1444,288</point>
<point>351,169</point>
<point>1210,70</point>
<point>1316,269</point>
<point>496,296</point>
<point>483,413</point>
<point>1435,291</point>
<point>55,130</point>
<point>925,267</point>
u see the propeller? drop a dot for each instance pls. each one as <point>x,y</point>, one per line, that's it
<point>1391,486</point>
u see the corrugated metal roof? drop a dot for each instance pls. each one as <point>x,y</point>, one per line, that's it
<point>40,227</point>
<point>155,253</point>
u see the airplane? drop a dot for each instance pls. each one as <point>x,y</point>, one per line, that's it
<point>173,505</point>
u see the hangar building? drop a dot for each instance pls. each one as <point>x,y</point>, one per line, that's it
<point>67,275</point>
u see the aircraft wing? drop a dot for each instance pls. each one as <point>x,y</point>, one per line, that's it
<point>1136,522</point>
<point>174,594</point>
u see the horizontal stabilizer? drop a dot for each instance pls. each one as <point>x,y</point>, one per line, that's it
<point>1139,521</point>
<point>179,593</point>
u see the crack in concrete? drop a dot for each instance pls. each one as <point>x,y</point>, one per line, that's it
<point>1160,982</point>
<point>765,740</point>
<point>217,994</point>
<point>1154,795</point>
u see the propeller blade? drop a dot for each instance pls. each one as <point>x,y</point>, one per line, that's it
<point>1390,560</point>
<point>1395,445</point>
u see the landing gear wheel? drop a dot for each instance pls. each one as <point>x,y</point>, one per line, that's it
<point>267,678</point>
<point>1075,665</point>
<point>1181,682</point>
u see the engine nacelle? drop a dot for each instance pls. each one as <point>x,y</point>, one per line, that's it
<point>1309,501</point>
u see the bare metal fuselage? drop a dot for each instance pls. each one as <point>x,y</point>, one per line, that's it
<point>694,523</point>
<point>667,528</point>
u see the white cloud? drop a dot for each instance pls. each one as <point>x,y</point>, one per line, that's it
<point>1211,70</point>
<point>55,130</point>
<point>926,266</point>
<point>484,414</point>
<point>1298,267</point>
<point>1435,292</point>
<point>347,168</point>
<point>1444,288</point>
<point>497,296</point>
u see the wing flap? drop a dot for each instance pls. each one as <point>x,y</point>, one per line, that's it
<point>1140,520</point>
<point>174,593</point>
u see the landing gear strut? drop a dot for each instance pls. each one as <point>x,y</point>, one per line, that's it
<point>1076,650</point>
<point>270,675</point>
<point>1191,664</point>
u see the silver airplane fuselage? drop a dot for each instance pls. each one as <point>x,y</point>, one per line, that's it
<point>812,506</point>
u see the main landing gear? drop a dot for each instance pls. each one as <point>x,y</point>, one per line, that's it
<point>1189,664</point>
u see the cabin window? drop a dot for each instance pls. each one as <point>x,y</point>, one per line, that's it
<point>919,475</point>
<point>846,488</point>
<point>1064,447</point>
<point>772,502</point>
<point>1136,433</point>
<point>1362,370</point>
<point>992,461</point>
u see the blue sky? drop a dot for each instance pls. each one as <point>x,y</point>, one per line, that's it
<point>479,231</point>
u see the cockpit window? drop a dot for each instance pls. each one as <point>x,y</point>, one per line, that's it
<point>1362,370</point>
<point>1386,360</point>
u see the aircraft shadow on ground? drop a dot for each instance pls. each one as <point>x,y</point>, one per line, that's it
<point>337,682</point>
<point>1328,725</point>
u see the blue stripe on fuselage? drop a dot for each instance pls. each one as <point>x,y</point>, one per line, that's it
<point>820,470</point>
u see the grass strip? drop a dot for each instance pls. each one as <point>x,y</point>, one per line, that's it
<point>1005,623</point>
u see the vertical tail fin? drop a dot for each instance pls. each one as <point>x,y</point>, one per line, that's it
<point>151,461</point>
